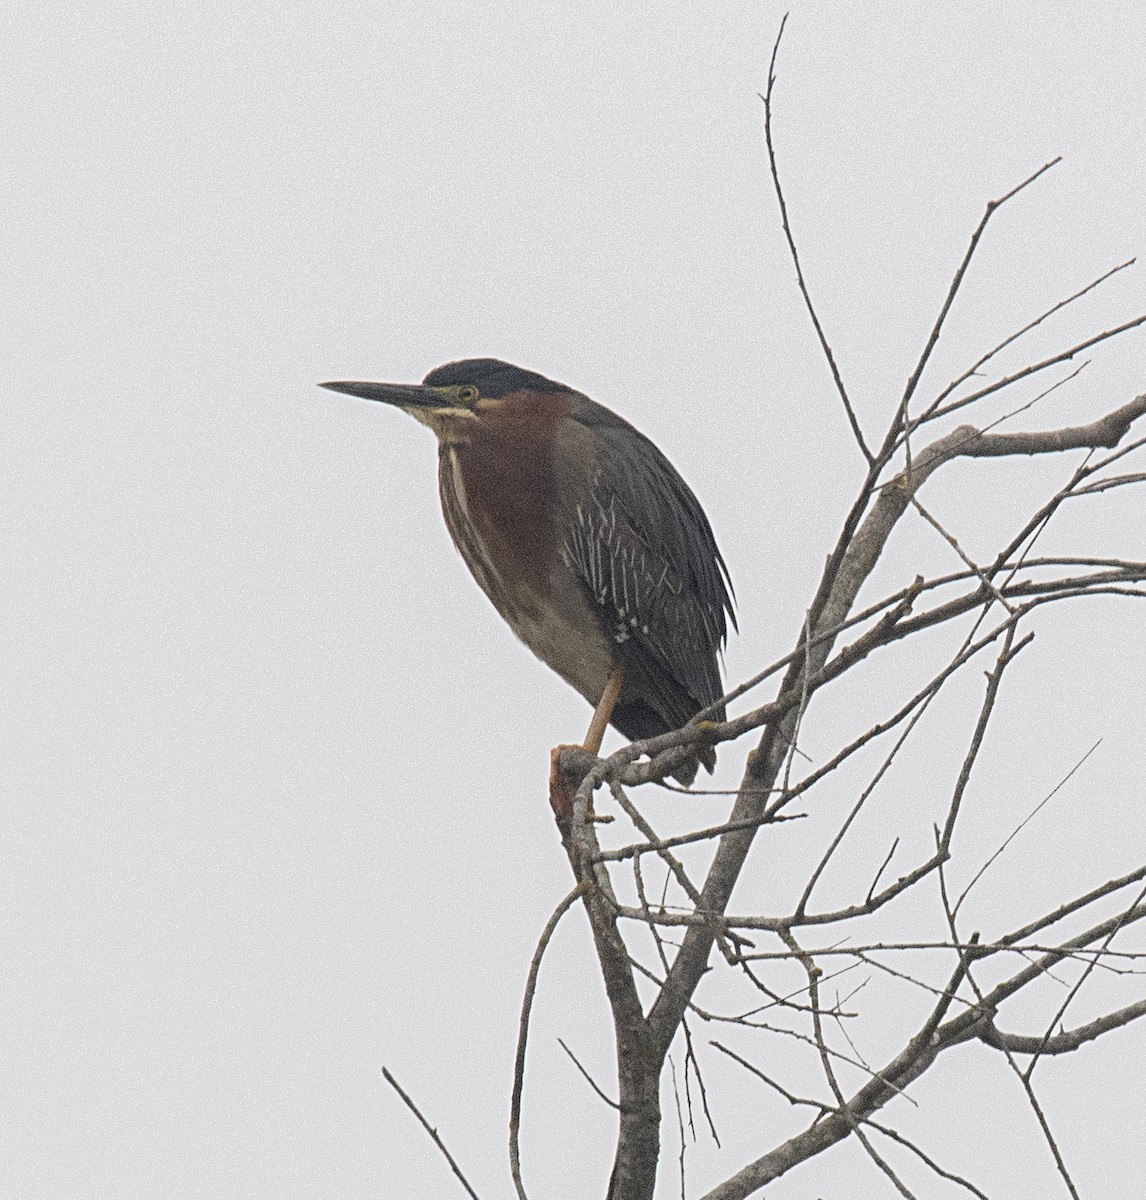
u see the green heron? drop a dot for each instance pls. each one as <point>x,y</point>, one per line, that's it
<point>585,538</point>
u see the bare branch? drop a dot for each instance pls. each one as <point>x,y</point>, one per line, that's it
<point>825,345</point>
<point>789,1096</point>
<point>1106,431</point>
<point>679,1123</point>
<point>993,206</point>
<point>523,1036</point>
<point>1036,368</point>
<point>1006,656</point>
<point>1077,987</point>
<point>1010,987</point>
<point>586,1076</point>
<point>888,1132</point>
<point>1066,1041</point>
<point>430,1130</point>
<point>1023,823</point>
<point>1024,1079</point>
<point>976,366</point>
<point>813,972</point>
<point>1073,906</point>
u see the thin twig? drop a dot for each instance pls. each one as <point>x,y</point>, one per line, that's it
<point>1086,972</point>
<point>984,1005</point>
<point>430,1130</point>
<point>587,1077</point>
<point>844,1108</point>
<point>974,368</point>
<point>1035,368</point>
<point>679,1123</point>
<point>789,1096</point>
<point>895,1136</point>
<point>993,206</point>
<point>1023,823</point>
<point>523,1036</point>
<point>825,345</point>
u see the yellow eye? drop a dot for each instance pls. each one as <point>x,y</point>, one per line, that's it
<point>467,394</point>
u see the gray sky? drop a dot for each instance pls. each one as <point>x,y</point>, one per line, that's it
<point>274,790</point>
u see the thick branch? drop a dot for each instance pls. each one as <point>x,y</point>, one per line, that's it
<point>638,1142</point>
<point>1106,431</point>
<point>1068,1040</point>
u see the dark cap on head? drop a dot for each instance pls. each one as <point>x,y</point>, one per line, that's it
<point>491,376</point>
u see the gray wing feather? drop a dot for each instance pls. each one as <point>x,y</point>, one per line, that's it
<point>642,546</point>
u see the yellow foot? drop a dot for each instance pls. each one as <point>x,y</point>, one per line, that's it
<point>563,791</point>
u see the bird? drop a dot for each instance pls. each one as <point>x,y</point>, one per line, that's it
<point>586,539</point>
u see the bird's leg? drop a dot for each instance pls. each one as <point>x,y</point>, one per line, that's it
<point>561,792</point>
<point>604,711</point>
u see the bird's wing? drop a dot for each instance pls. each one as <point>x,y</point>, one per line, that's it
<point>641,544</point>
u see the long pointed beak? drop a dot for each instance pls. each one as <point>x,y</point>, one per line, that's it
<point>404,395</point>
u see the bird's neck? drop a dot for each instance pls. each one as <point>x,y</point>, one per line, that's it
<point>497,495</point>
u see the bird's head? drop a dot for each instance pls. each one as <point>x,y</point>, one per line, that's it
<point>452,398</point>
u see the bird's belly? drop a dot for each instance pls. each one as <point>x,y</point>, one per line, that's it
<point>565,634</point>
<point>559,625</point>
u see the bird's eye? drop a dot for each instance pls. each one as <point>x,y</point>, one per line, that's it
<point>467,394</point>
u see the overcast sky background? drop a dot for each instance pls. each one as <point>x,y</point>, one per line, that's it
<point>274,786</point>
